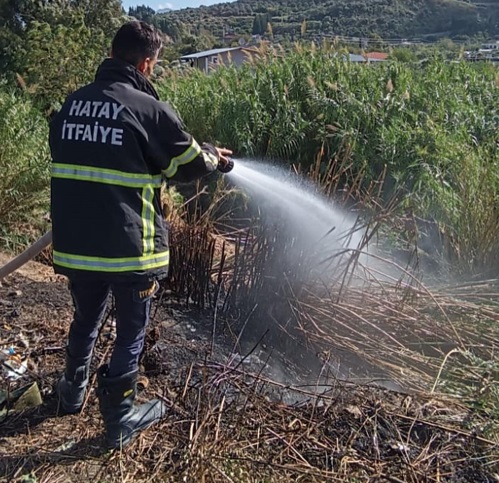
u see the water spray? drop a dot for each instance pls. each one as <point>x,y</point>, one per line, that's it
<point>315,221</point>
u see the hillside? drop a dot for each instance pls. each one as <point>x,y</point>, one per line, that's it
<point>312,18</point>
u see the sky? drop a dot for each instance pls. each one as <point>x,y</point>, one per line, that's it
<point>174,4</point>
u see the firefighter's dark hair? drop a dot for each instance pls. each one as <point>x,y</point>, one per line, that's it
<point>135,41</point>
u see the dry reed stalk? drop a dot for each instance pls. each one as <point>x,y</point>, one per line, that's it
<point>222,420</point>
<point>398,312</point>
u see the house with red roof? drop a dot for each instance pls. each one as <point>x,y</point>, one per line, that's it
<point>376,56</point>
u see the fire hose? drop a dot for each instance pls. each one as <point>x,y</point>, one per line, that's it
<point>28,254</point>
<point>43,242</point>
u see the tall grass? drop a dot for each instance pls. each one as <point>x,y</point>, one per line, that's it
<point>24,163</point>
<point>430,130</point>
<point>433,126</point>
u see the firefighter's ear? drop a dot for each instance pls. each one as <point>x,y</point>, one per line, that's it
<point>146,67</point>
<point>142,67</point>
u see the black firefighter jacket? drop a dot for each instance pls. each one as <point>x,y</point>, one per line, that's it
<point>112,144</point>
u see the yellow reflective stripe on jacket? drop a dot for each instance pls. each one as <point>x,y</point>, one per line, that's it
<point>106,176</point>
<point>100,264</point>
<point>148,228</point>
<point>190,154</point>
<point>212,159</point>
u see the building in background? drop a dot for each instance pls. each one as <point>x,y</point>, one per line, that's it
<point>212,59</point>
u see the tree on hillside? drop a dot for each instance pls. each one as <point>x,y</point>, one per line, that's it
<point>172,28</point>
<point>144,13</point>
<point>260,23</point>
<point>103,15</point>
<point>8,18</point>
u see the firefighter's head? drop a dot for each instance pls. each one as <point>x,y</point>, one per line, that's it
<point>139,44</point>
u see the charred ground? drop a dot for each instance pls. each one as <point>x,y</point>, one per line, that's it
<point>227,420</point>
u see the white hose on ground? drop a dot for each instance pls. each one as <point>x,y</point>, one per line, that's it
<point>28,254</point>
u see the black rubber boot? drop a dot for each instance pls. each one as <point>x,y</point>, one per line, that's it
<point>122,419</point>
<point>72,385</point>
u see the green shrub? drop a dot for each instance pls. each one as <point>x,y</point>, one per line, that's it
<point>24,160</point>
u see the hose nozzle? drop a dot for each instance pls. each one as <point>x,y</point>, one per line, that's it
<point>227,168</point>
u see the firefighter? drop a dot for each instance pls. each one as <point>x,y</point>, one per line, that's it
<point>112,144</point>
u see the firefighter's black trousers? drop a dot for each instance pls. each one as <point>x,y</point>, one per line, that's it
<point>132,302</point>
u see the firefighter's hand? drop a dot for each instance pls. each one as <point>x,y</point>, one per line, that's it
<point>225,164</point>
<point>223,156</point>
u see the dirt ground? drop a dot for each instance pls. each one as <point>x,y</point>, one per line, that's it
<point>35,313</point>
<point>225,423</point>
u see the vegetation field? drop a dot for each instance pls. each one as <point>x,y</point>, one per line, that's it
<point>409,145</point>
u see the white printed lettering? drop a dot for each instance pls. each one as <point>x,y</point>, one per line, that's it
<point>104,111</point>
<point>92,132</point>
<point>75,108</point>
<point>117,108</point>
<point>99,109</point>
<point>70,126</point>
<point>79,131</point>
<point>117,137</point>
<point>96,105</point>
<point>104,133</point>
<point>87,135</point>
<point>85,111</point>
